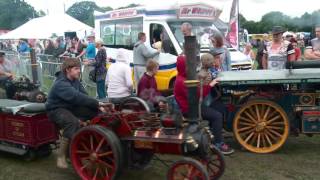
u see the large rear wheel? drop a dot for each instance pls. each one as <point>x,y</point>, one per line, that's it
<point>261,126</point>
<point>96,153</point>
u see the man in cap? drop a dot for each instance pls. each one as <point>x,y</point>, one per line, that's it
<point>90,50</point>
<point>312,51</point>
<point>277,52</point>
<point>6,76</point>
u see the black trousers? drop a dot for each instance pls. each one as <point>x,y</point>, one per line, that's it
<point>7,84</point>
<point>68,120</point>
<point>215,119</point>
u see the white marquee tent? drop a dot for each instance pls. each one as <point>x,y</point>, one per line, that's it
<point>44,27</point>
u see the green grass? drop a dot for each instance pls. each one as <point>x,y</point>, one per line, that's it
<point>298,159</point>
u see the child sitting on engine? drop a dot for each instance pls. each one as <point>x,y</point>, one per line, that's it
<point>147,87</point>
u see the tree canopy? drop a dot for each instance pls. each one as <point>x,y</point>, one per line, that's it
<point>15,13</point>
<point>83,11</point>
<point>276,18</point>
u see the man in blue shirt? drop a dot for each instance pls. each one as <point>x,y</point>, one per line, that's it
<point>23,46</point>
<point>90,51</point>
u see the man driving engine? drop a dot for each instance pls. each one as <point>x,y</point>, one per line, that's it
<point>6,76</point>
<point>68,105</point>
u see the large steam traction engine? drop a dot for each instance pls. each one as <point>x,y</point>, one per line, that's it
<point>265,105</point>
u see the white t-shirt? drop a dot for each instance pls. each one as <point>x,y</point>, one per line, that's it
<point>119,80</point>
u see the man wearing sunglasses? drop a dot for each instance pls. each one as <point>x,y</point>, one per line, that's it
<point>278,51</point>
<point>312,51</point>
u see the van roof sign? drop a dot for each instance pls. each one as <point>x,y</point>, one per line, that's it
<point>198,11</point>
<point>123,13</point>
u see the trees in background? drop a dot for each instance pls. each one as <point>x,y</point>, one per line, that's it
<point>14,13</point>
<point>275,18</point>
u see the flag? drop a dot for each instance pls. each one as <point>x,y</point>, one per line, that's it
<point>232,35</point>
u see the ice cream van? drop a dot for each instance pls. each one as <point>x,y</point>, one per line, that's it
<point>120,28</point>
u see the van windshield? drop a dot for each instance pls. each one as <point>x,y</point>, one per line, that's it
<point>202,30</point>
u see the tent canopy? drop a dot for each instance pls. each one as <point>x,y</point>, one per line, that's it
<point>44,27</point>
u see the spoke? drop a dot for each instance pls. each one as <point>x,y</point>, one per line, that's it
<point>252,112</point>
<point>273,119</point>
<point>263,140</point>
<point>84,146</point>
<point>107,172</point>
<point>268,139</point>
<point>257,112</point>
<point>277,123</point>
<point>99,145</point>
<point>247,124</point>
<point>82,152</point>
<point>272,114</point>
<point>258,141</point>
<point>275,132</point>
<point>190,172</point>
<point>105,164</point>
<point>105,154</point>
<point>249,115</point>
<point>254,139</point>
<point>271,135</point>
<point>263,108</point>
<point>248,138</point>
<point>266,113</point>
<point>95,174</point>
<point>274,127</point>
<point>245,129</point>
<point>246,120</point>
<point>91,143</point>
<point>85,166</point>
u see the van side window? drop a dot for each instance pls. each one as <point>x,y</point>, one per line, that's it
<point>160,39</point>
<point>121,33</point>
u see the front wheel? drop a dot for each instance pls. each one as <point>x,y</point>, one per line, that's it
<point>187,169</point>
<point>214,162</point>
<point>96,153</point>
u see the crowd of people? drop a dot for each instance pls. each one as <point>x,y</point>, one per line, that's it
<point>283,47</point>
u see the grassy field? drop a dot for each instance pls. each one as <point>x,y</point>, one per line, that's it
<point>299,159</point>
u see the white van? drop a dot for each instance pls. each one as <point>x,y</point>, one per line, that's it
<point>120,28</point>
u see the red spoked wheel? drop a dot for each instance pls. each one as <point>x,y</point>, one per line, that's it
<point>187,169</point>
<point>215,163</point>
<point>96,153</point>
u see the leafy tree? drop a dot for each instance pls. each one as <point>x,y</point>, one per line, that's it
<point>15,13</point>
<point>83,11</point>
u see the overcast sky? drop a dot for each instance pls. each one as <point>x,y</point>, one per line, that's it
<point>251,9</point>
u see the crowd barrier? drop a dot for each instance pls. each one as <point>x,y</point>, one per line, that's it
<point>47,66</point>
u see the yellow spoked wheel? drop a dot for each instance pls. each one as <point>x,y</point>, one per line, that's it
<point>261,126</point>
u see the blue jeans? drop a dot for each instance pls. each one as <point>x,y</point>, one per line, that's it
<point>101,89</point>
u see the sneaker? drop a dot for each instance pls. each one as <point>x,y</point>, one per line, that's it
<point>225,149</point>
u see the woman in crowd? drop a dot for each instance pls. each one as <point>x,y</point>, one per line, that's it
<point>217,41</point>
<point>249,52</point>
<point>297,50</point>
<point>119,78</point>
<point>99,64</point>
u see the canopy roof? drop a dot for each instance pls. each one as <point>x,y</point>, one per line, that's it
<point>265,77</point>
<point>44,27</point>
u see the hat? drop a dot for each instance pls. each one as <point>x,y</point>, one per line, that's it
<point>122,56</point>
<point>277,30</point>
<point>2,53</point>
<point>216,51</point>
